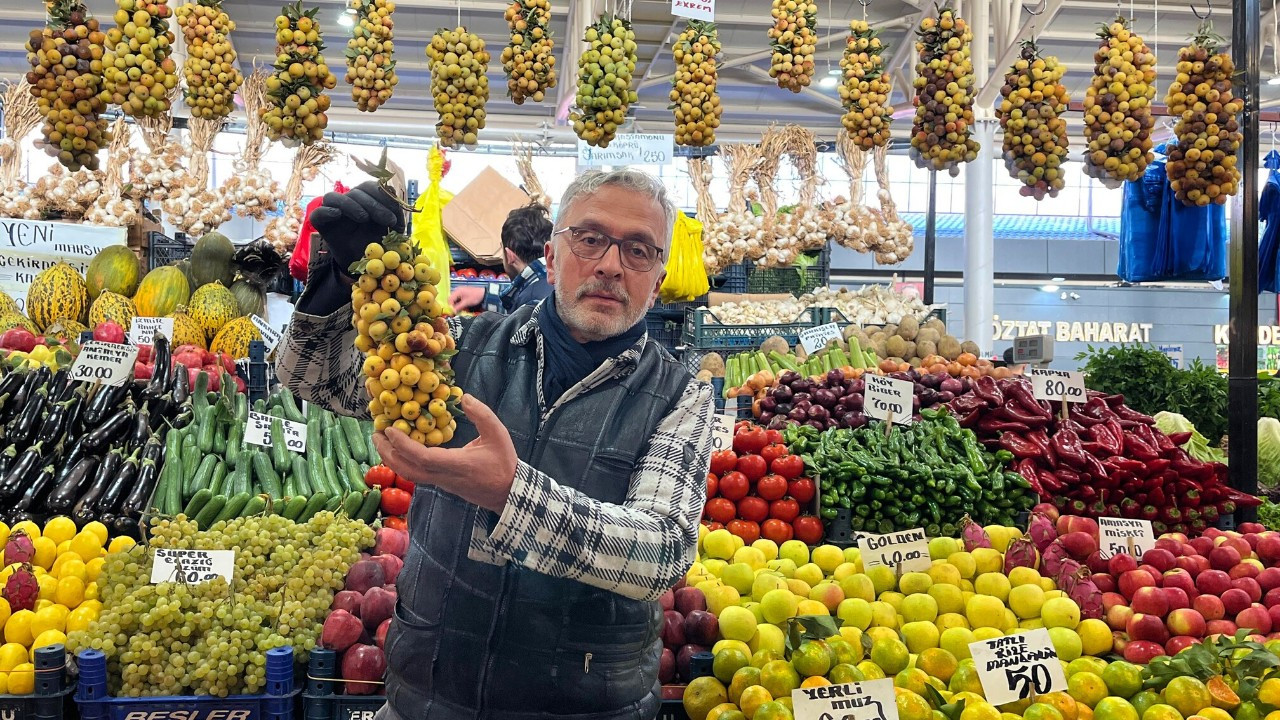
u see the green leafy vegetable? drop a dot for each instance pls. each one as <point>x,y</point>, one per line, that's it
<point>1198,446</point>
<point>1268,452</point>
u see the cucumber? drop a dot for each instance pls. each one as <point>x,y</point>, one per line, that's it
<point>351,506</point>
<point>366,430</point>
<point>220,437</point>
<point>289,406</point>
<point>259,405</point>
<point>256,506</point>
<point>206,517</point>
<point>369,508</point>
<point>190,462</point>
<point>341,451</point>
<point>235,438</point>
<point>301,477</point>
<point>173,493</point>
<point>242,409</point>
<point>266,475</point>
<point>315,462</point>
<point>219,478</point>
<point>207,423</point>
<point>334,503</point>
<point>314,505</point>
<point>334,478</point>
<point>294,507</point>
<point>279,452</point>
<point>160,498</point>
<point>204,474</point>
<point>355,439</point>
<point>231,485</point>
<point>197,503</point>
<point>288,485</point>
<point>355,478</point>
<point>235,505</point>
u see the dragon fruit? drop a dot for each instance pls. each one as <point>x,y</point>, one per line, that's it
<point>1041,530</point>
<point>1052,558</point>
<point>1068,568</point>
<point>1020,553</point>
<point>21,589</point>
<point>974,536</point>
<point>19,549</point>
<point>1087,595</point>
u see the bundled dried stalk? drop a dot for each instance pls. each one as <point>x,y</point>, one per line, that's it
<point>156,128</point>
<point>803,227</point>
<point>109,208</point>
<point>282,232</point>
<point>201,134</point>
<point>700,177</point>
<point>194,208</point>
<point>773,145</point>
<point>858,227</point>
<point>524,163</point>
<point>899,238</point>
<point>738,231</point>
<point>250,191</point>
<point>21,116</point>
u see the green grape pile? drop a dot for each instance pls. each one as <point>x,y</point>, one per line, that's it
<point>209,638</point>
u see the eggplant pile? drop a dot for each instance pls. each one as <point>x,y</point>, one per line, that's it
<point>89,451</point>
<point>835,400</point>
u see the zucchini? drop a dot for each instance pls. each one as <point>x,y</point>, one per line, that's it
<point>300,476</point>
<point>279,451</point>
<point>235,505</point>
<point>206,517</point>
<point>267,477</point>
<point>369,508</point>
<point>197,502</point>
<point>355,439</point>
<point>313,506</point>
<point>204,474</point>
<point>351,506</point>
<point>256,506</point>
<point>294,507</point>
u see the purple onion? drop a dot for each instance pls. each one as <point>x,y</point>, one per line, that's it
<point>817,424</point>
<point>859,420</point>
<point>928,397</point>
<point>779,422</point>
<point>765,416</point>
<point>801,397</point>
<point>853,401</point>
<point>817,412</point>
<point>782,393</point>
<point>801,404</point>
<point>788,377</point>
<point>946,396</point>
<point>965,384</point>
<point>798,414</point>
<point>915,402</point>
<point>825,398</point>
<point>901,376</point>
<point>768,404</point>
<point>953,385</point>
<point>835,377</point>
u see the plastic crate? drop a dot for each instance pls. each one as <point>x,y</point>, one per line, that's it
<point>320,701</point>
<point>732,279</point>
<point>256,372</point>
<point>664,330</point>
<point>791,279</point>
<point>275,704</point>
<point>52,689</point>
<point>672,710</point>
<point>704,331</point>
<point>164,250</point>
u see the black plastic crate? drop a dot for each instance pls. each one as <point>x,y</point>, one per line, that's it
<point>732,279</point>
<point>791,279</point>
<point>164,250</point>
<point>664,330</point>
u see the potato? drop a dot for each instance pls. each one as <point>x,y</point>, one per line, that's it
<point>949,347</point>
<point>925,348</point>
<point>971,347</point>
<point>908,328</point>
<point>800,353</point>
<point>935,323</point>
<point>911,350</point>
<point>915,362</point>
<point>704,376</point>
<point>712,363</point>
<point>775,343</point>
<point>850,330</point>
<point>891,330</point>
<point>896,346</point>
<point>928,334</point>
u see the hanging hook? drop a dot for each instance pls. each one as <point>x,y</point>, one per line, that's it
<point>1208,4</point>
<point>1040,11</point>
<point>864,3</point>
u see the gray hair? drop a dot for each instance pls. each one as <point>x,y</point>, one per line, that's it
<point>635,180</point>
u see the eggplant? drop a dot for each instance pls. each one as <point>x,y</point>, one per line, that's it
<point>123,480</point>
<point>22,468</point>
<point>23,428</point>
<point>163,371</point>
<point>144,484</point>
<point>103,403</point>
<point>59,384</point>
<point>141,427</point>
<point>70,483</point>
<point>33,380</point>
<point>101,479</point>
<point>181,385</point>
<point>6,459</point>
<point>183,418</point>
<point>35,493</point>
<point>104,433</point>
<point>55,421</point>
<point>126,526</point>
<point>11,382</point>
<point>80,448</point>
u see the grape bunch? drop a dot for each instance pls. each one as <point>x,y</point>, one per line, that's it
<point>65,78</point>
<point>865,92</point>
<point>530,66</point>
<point>604,80</point>
<point>210,638</point>
<point>370,70</point>
<point>210,67</point>
<point>138,72</point>
<point>459,84</point>
<point>1202,160</point>
<point>693,87</point>
<point>794,38</point>
<point>940,136</point>
<point>406,341</point>
<point>1030,113</point>
<point>296,103</point>
<point>1117,106</point>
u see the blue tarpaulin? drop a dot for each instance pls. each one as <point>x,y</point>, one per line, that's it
<point>1269,213</point>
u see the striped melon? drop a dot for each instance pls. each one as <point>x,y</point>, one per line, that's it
<point>161,292</point>
<point>234,338</point>
<point>8,304</point>
<point>63,329</point>
<point>114,268</point>
<point>110,306</point>
<point>213,306</point>
<point>250,297</point>
<point>11,320</point>
<point>186,331</point>
<point>57,292</point>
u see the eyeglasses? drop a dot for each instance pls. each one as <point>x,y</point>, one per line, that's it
<point>592,245</point>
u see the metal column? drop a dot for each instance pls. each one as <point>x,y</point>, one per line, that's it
<point>979,251</point>
<point>930,237</point>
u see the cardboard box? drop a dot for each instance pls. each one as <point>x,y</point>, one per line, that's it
<point>473,218</point>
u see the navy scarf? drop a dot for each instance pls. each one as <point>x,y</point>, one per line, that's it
<point>568,361</point>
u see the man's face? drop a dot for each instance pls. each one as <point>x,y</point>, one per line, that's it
<point>599,299</point>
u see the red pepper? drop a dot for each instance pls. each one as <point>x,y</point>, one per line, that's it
<point>1066,443</point>
<point>1093,466</point>
<point>991,424</point>
<point>1014,412</point>
<point>985,387</point>
<point>1127,413</point>
<point>1021,448</point>
<point>1068,476</point>
<point>1137,448</point>
<point>1102,434</point>
<point>966,404</point>
<point>1156,496</point>
<point>1114,400</point>
<point>1163,443</point>
<point>1181,438</point>
<point>1157,466</point>
<point>1020,392</point>
<point>1072,425</point>
<point>969,419</point>
<point>1095,449</point>
<point>1150,512</point>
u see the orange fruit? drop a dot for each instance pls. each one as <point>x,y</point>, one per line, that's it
<point>913,679</point>
<point>1160,711</point>
<point>779,678</point>
<point>815,681</point>
<point>1065,704</point>
<point>845,673</point>
<point>743,679</point>
<point>1187,695</point>
<point>1041,711</point>
<point>773,710</point>
<point>1114,708</point>
<point>938,663</point>
<point>911,706</point>
<point>701,695</point>
<point>1221,693</point>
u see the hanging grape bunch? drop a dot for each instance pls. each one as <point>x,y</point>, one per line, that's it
<point>527,60</point>
<point>210,67</point>
<point>865,92</point>
<point>794,38</point>
<point>1030,113</point>
<point>1117,106</point>
<point>604,80</point>
<point>370,70</point>
<point>296,103</point>
<point>65,77</point>
<point>1202,160</point>
<point>944,104</point>
<point>693,87</point>
<point>459,83</point>
<point>138,72</point>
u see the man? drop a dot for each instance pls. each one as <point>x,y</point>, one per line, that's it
<point>524,235</point>
<point>569,498</point>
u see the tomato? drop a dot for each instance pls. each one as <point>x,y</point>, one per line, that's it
<point>750,439</point>
<point>774,436</point>
<point>753,466</point>
<point>786,509</point>
<point>742,425</point>
<point>720,510</point>
<point>722,461</point>
<point>772,452</point>
<point>753,508</point>
<point>395,523</point>
<point>772,487</point>
<point>808,529</point>
<point>734,486</point>
<point>405,485</point>
<point>788,466</point>
<point>714,525</point>
<point>745,529</point>
<point>713,485</point>
<point>380,476</point>
<point>777,531</point>
<point>395,501</point>
<point>802,490</point>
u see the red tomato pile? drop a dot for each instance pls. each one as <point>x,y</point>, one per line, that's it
<point>758,489</point>
<point>397,492</point>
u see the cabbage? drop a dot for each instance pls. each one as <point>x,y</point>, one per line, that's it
<point>1171,423</point>
<point>1268,452</point>
<point>1198,447</point>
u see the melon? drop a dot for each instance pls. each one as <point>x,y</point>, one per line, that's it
<point>250,297</point>
<point>213,306</point>
<point>11,320</point>
<point>64,329</point>
<point>114,268</point>
<point>8,304</point>
<point>57,292</point>
<point>111,306</point>
<point>211,260</point>
<point>185,267</point>
<point>161,292</point>
<point>234,338</point>
<point>186,331</point>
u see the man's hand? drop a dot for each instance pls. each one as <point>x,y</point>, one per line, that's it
<point>348,223</point>
<point>481,472</point>
<point>465,297</point>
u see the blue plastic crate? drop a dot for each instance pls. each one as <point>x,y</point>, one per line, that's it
<point>323,700</point>
<point>732,279</point>
<point>664,330</point>
<point>704,331</point>
<point>52,689</point>
<point>672,710</point>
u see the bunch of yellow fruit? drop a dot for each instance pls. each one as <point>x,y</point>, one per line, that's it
<point>405,340</point>
<point>370,69</point>
<point>794,39</point>
<point>604,80</point>
<point>528,60</point>
<point>137,70</point>
<point>940,136</point>
<point>66,76</point>
<point>865,92</point>
<point>1030,113</point>
<point>459,84</point>
<point>693,87</point>
<point>210,67</point>
<point>1202,162</point>
<point>296,103</point>
<point>1117,106</point>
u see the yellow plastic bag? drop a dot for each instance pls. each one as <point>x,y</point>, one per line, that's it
<point>427,230</point>
<point>686,275</point>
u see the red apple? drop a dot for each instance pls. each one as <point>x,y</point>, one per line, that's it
<point>1160,558</point>
<point>1118,617</point>
<point>1119,641</point>
<point>1209,606</point>
<point>1269,579</point>
<point>1185,549</point>
<point>1251,527</point>
<point>1202,544</point>
<point>1111,599</point>
<point>1176,597</point>
<point>1105,582</point>
<point>1185,621</point>
<point>1274,612</point>
<point>1255,617</point>
<point>1235,600</point>
<point>1164,542</point>
<point>1246,569</point>
<point>1150,601</point>
<point>1253,539</point>
<point>1269,547</point>
<point>1131,581</point>
<point>1212,532</point>
<point>1152,571</point>
<point>1147,627</point>
<point>1224,557</point>
<point>1220,627</point>
<point>1250,586</point>
<point>1141,652</point>
<point>1190,564</point>
<point>1240,545</point>
<point>1121,563</point>
<point>1179,643</point>
<point>1179,578</point>
<point>1213,582</point>
<point>1096,562</point>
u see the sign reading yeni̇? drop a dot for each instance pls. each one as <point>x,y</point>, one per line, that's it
<point>1016,667</point>
<point>866,700</point>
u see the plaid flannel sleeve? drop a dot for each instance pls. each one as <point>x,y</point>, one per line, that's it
<point>637,549</point>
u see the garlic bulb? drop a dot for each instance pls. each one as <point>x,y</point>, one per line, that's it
<point>196,210</point>
<point>154,175</point>
<point>21,203</point>
<point>69,194</point>
<point>870,305</point>
<point>282,232</point>
<point>112,212</point>
<point>251,194</point>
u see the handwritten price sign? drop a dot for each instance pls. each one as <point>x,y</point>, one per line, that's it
<point>192,566</point>
<point>1016,667</point>
<point>1123,535</point>
<point>1057,385</point>
<point>908,549</point>
<point>105,363</point>
<point>257,431</point>
<point>722,432</point>
<point>885,398</point>
<point>866,700</point>
<point>142,330</point>
<point>270,336</point>
<point>816,338</point>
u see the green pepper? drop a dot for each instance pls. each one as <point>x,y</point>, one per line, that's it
<point>829,513</point>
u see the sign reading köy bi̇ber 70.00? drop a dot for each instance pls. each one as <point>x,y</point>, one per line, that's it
<point>886,398</point>
<point>1016,667</point>
<point>907,550</point>
<point>866,700</point>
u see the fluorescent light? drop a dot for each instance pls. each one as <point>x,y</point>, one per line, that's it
<point>1058,279</point>
<point>835,71</point>
<point>1049,288</point>
<point>828,82</point>
<point>345,20</point>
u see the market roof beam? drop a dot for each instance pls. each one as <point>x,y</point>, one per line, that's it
<point>989,91</point>
<point>808,92</point>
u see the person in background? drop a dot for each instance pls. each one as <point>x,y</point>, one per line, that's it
<point>302,257</point>
<point>525,233</point>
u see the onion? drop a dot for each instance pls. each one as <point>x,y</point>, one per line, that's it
<point>835,377</point>
<point>952,385</point>
<point>817,424</point>
<point>803,397</point>
<point>779,422</point>
<point>782,393</point>
<point>798,414</point>
<point>817,412</point>
<point>853,401</point>
<point>859,420</point>
<point>768,404</point>
<point>765,417</point>
<point>825,398</point>
<point>788,377</point>
<point>915,402</point>
<point>946,396</point>
<point>858,386</point>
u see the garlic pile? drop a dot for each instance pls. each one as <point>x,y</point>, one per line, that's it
<point>251,194</point>
<point>70,194</point>
<point>729,238</point>
<point>870,305</point>
<point>195,210</point>
<point>862,228</point>
<point>20,203</point>
<point>282,232</point>
<point>154,175</point>
<point>112,212</point>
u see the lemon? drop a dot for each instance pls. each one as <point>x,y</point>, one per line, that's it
<point>46,552</point>
<point>18,629</point>
<point>53,617</point>
<point>48,584</point>
<point>31,529</point>
<point>80,618</point>
<point>120,544</point>
<point>22,679</point>
<point>90,592</point>
<point>4,683</point>
<point>48,637</point>
<point>98,530</point>
<point>70,591</point>
<point>74,568</point>
<point>59,529</point>
<point>93,569</point>
<point>11,655</point>
<point>87,544</point>
<point>4,611</point>
<point>64,547</point>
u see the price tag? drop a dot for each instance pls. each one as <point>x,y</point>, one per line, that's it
<point>885,398</point>
<point>1057,385</point>
<point>104,362</point>
<point>192,566</point>
<point>258,432</point>
<point>270,336</point>
<point>816,338</point>
<point>629,149</point>
<point>907,550</point>
<point>866,700</point>
<point>695,9</point>
<point>1124,535</point>
<point>1015,667</point>
<point>722,432</point>
<point>142,330</point>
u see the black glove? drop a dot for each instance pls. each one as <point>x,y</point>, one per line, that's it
<point>348,223</point>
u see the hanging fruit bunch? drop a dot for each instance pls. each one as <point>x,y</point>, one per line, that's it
<point>459,84</point>
<point>604,80</point>
<point>944,104</point>
<point>1030,113</point>
<point>1117,106</point>
<point>693,87</point>
<point>210,67</point>
<point>794,38</point>
<point>1202,160</point>
<point>66,66</point>
<point>865,92</point>
<point>138,72</point>
<point>528,62</point>
<point>370,69</point>
<point>296,103</point>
